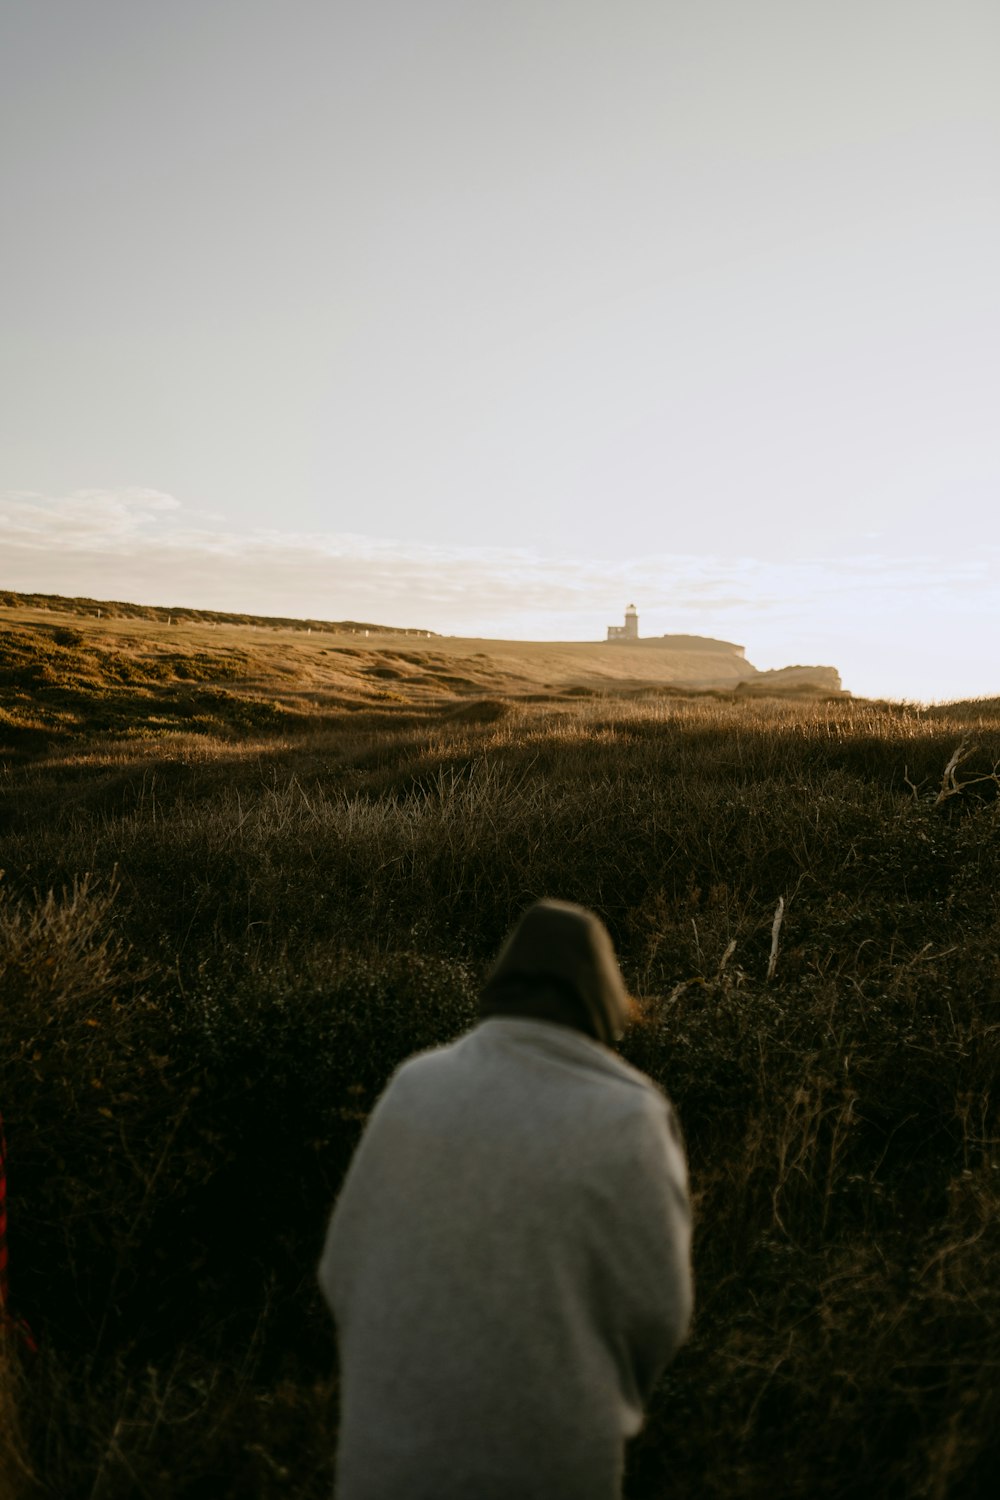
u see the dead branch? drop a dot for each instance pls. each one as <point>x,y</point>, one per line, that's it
<point>950,784</point>
<point>779,912</point>
<point>730,950</point>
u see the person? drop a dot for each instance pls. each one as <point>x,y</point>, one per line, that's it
<point>508,1261</point>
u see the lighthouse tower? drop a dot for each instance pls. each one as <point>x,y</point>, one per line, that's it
<point>630,630</point>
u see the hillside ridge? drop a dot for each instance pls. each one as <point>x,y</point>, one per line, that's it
<point>70,667</point>
<point>728,668</point>
<point>117,609</point>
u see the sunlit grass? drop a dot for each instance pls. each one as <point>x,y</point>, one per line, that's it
<point>216,943</point>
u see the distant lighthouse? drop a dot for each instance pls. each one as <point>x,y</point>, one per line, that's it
<point>630,630</point>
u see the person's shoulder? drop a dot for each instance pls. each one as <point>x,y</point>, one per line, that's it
<point>411,1083</point>
<point>641,1099</point>
<point>584,1056</point>
<point>656,1125</point>
<point>425,1065</point>
<point>643,1092</point>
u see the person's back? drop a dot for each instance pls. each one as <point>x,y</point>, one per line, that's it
<point>508,1265</point>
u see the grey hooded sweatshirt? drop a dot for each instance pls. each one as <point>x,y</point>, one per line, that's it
<point>508,1262</point>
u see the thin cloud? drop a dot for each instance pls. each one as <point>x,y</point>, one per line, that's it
<point>865,614</point>
<point>102,519</point>
<point>163,546</point>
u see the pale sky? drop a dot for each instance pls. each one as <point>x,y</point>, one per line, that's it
<point>492,316</point>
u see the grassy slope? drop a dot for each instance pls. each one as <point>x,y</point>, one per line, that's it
<point>117,609</point>
<point>249,928</point>
<point>64,673</point>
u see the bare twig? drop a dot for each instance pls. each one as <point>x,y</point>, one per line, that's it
<point>779,913</point>
<point>730,950</point>
<point>951,786</point>
<point>912,785</point>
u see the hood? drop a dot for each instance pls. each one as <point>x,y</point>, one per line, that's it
<point>560,949</point>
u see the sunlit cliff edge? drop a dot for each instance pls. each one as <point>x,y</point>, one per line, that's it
<point>79,662</point>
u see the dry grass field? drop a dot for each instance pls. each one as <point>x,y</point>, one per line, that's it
<point>286,669</point>
<point>246,872</point>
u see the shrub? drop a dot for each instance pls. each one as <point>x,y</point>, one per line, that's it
<point>214,952</point>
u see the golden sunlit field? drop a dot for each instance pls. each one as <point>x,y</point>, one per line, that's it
<point>246,871</point>
<point>136,667</point>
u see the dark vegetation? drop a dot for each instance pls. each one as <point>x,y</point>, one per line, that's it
<point>214,950</point>
<point>56,683</point>
<point>180,614</point>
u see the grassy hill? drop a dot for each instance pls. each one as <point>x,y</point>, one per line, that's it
<point>177,614</point>
<point>218,938</point>
<point>72,667</point>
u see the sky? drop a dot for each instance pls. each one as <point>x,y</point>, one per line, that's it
<point>490,317</point>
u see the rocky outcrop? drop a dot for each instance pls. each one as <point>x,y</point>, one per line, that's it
<point>796,679</point>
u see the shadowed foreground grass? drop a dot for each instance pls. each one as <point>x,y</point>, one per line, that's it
<point>214,951</point>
